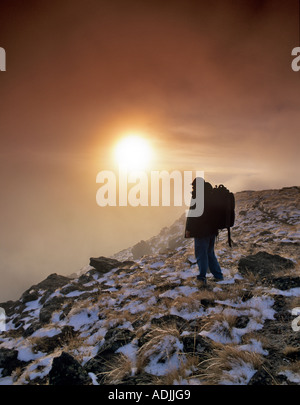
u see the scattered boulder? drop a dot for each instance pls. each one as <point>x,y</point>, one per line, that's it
<point>180,323</point>
<point>196,344</point>
<point>242,321</point>
<point>48,344</point>
<point>8,307</point>
<point>261,377</point>
<point>49,285</point>
<point>206,302</point>
<point>116,338</point>
<point>286,283</point>
<point>49,307</point>
<point>67,371</point>
<point>246,295</point>
<point>263,264</point>
<point>9,361</point>
<point>101,363</point>
<point>104,264</point>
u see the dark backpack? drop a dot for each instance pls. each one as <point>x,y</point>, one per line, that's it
<point>223,207</point>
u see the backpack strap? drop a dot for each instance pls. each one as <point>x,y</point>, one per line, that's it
<point>229,237</point>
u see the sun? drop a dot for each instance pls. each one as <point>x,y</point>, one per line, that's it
<point>133,152</point>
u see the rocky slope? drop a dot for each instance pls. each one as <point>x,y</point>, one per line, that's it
<point>140,317</point>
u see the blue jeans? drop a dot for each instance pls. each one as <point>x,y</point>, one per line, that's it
<point>206,258</point>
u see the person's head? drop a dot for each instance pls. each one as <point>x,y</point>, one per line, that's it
<point>204,186</point>
<point>199,181</point>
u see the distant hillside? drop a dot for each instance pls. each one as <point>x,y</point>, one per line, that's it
<point>260,215</point>
<point>132,319</point>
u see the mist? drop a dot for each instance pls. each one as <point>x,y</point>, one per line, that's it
<point>53,224</point>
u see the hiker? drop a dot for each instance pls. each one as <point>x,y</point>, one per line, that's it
<point>204,231</point>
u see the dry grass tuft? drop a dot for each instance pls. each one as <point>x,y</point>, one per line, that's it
<point>184,372</point>
<point>223,360</point>
<point>119,368</point>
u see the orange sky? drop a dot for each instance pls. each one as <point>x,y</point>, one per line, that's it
<point>209,83</point>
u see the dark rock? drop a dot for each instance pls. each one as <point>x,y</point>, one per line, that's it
<point>279,303</point>
<point>33,327</point>
<point>263,264</point>
<point>128,263</point>
<point>178,321</point>
<point>67,371</point>
<point>285,283</point>
<point>49,285</point>
<point>144,338</point>
<point>273,327</point>
<point>31,294</point>
<point>207,302</point>
<point>266,232</point>
<point>138,323</point>
<point>101,364</point>
<point>41,290</point>
<point>49,344</point>
<point>9,361</point>
<point>242,321</point>
<point>116,338</point>
<point>261,377</point>
<point>167,320</point>
<point>49,307</point>
<point>293,355</point>
<point>166,287</point>
<point>104,264</point>
<point>9,307</point>
<point>196,344</point>
<point>282,311</point>
<point>246,295</point>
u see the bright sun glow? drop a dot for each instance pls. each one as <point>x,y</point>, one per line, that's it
<point>133,152</point>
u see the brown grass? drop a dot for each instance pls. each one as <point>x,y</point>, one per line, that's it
<point>119,368</point>
<point>223,359</point>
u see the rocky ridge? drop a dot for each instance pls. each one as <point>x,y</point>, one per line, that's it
<point>140,318</point>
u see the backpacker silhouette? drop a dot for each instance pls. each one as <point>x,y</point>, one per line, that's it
<point>223,209</point>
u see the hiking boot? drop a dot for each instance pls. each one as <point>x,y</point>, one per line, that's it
<point>216,279</point>
<point>202,282</point>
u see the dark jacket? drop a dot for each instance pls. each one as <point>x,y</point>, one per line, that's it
<point>202,226</point>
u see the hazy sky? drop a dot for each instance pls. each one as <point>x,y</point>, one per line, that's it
<point>208,83</point>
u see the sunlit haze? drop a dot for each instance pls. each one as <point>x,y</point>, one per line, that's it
<point>193,85</point>
<point>133,153</point>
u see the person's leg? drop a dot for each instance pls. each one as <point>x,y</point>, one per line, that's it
<point>213,263</point>
<point>201,247</point>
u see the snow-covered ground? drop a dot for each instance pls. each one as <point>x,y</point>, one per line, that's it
<point>148,321</point>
